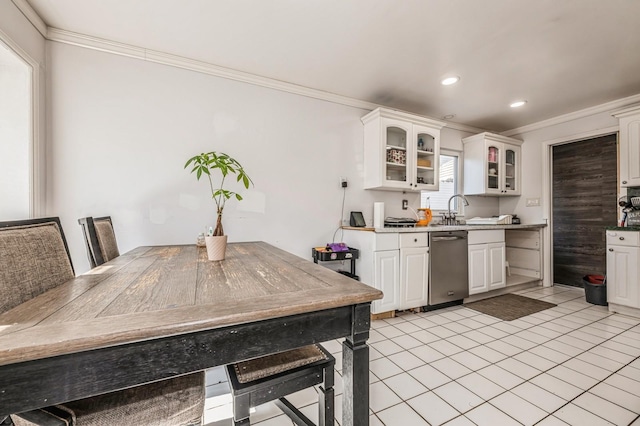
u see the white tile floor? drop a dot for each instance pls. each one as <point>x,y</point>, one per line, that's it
<point>573,364</point>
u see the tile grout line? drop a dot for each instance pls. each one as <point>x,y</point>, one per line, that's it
<point>508,356</point>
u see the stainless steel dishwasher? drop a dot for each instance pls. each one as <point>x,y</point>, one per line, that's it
<point>448,268</point>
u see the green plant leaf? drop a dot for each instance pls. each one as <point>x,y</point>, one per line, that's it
<point>207,162</point>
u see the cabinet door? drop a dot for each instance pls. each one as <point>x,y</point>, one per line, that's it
<point>623,270</point>
<point>425,156</point>
<point>496,265</point>
<point>397,158</point>
<point>494,167</point>
<point>414,277</point>
<point>386,279</point>
<point>478,273</point>
<point>630,151</point>
<point>512,167</point>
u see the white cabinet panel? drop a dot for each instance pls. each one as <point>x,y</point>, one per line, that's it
<point>414,277</point>
<point>629,146</point>
<point>497,271</point>
<point>386,276</point>
<point>487,256</point>
<point>478,280</point>
<point>623,270</point>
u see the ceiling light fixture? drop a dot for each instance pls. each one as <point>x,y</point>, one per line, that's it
<point>517,104</point>
<point>450,80</point>
<point>448,116</point>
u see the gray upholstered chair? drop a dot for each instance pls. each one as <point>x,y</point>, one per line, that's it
<point>100,239</point>
<point>35,258</point>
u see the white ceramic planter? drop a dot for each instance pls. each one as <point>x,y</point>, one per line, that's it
<point>216,247</point>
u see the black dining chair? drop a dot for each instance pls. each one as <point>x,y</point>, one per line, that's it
<point>35,258</point>
<point>100,239</point>
<point>273,377</point>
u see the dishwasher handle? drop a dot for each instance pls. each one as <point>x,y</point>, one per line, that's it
<point>448,238</point>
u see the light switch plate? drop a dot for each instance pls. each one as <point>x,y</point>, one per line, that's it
<point>533,202</point>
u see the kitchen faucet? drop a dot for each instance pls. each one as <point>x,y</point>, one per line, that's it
<point>450,219</point>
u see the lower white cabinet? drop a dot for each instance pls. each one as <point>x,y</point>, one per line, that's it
<point>395,263</point>
<point>385,278</point>
<point>414,277</point>
<point>623,270</point>
<point>487,252</point>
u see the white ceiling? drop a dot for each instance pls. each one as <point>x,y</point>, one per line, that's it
<point>559,55</point>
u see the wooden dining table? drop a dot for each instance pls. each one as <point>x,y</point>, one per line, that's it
<point>158,312</point>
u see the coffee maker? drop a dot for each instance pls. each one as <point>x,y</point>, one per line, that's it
<point>630,204</point>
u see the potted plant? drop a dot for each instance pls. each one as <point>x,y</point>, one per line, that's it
<point>205,164</point>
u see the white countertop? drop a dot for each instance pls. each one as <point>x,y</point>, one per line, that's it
<point>438,228</point>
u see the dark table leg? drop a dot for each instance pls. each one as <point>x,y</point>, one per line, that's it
<point>355,369</point>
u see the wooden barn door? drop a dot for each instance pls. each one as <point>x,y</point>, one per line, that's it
<point>584,202</point>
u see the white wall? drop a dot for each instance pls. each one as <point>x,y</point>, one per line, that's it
<point>122,129</point>
<point>534,150</point>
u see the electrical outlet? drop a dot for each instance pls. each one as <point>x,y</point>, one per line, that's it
<point>533,202</point>
<point>405,204</point>
<point>343,182</point>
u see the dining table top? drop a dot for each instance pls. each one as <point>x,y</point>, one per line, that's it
<point>158,291</point>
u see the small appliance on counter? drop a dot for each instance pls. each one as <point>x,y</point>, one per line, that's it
<point>424,217</point>
<point>399,222</point>
<point>630,207</point>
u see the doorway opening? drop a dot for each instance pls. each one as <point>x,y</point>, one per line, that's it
<point>16,135</point>
<point>584,202</point>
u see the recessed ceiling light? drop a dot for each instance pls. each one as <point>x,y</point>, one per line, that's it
<point>448,116</point>
<point>517,104</point>
<point>450,80</point>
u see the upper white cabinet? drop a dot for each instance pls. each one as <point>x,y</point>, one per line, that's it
<point>401,151</point>
<point>629,146</point>
<point>492,165</point>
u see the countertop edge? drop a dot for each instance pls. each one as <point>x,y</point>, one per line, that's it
<point>440,228</point>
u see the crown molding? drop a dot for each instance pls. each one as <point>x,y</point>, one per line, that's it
<point>606,107</point>
<point>464,127</point>
<point>89,42</point>
<point>625,112</point>
<point>32,16</point>
<point>68,37</point>
<point>81,40</point>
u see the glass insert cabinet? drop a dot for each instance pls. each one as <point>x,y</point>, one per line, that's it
<point>401,151</point>
<point>492,165</point>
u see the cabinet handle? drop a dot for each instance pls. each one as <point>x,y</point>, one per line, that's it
<point>415,240</point>
<point>610,249</point>
<point>621,238</point>
<point>624,182</point>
